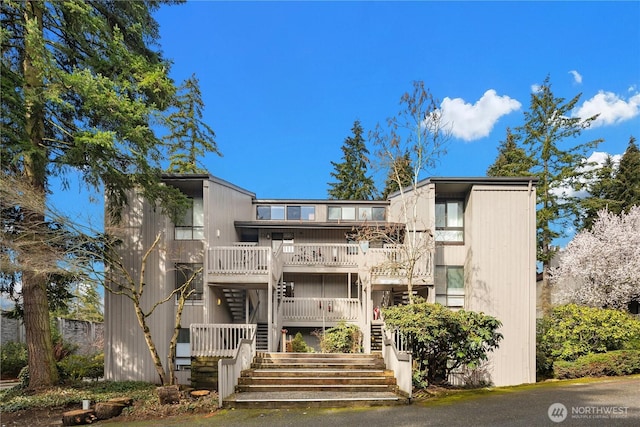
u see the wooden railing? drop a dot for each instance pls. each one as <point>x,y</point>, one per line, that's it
<point>394,261</point>
<point>220,340</point>
<point>229,370</point>
<point>317,309</point>
<point>239,260</point>
<point>332,254</point>
<point>397,358</point>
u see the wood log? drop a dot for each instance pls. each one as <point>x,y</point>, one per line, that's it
<point>200,393</point>
<point>106,410</point>
<point>169,394</point>
<point>78,417</point>
<point>126,401</point>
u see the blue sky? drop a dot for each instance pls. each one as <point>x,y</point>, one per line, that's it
<point>283,82</point>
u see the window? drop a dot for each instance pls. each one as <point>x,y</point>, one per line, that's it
<point>450,286</point>
<point>301,213</point>
<point>183,351</point>
<point>450,221</point>
<point>348,213</point>
<point>193,272</point>
<point>271,212</point>
<point>191,225</point>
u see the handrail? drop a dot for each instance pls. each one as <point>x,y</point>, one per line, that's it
<point>229,370</point>
<point>398,361</point>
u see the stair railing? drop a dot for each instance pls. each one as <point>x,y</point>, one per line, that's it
<point>398,359</point>
<point>229,370</point>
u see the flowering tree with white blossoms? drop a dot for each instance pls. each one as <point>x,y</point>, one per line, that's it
<point>601,267</point>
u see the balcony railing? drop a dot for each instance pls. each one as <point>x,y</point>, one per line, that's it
<point>395,261</point>
<point>239,260</point>
<point>220,340</point>
<point>320,254</point>
<point>318,309</point>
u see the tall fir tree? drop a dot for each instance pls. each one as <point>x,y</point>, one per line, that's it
<point>189,136</point>
<point>401,173</point>
<point>627,181</point>
<point>601,195</point>
<point>548,124</point>
<point>352,181</point>
<point>512,160</point>
<point>81,84</point>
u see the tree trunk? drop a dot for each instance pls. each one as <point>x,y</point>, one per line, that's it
<point>157,362</point>
<point>42,365</point>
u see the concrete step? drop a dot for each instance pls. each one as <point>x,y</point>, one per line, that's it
<point>313,399</point>
<point>316,381</point>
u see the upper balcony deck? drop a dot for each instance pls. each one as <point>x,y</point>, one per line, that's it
<point>246,263</point>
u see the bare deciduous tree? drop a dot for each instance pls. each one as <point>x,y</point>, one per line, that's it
<point>416,133</point>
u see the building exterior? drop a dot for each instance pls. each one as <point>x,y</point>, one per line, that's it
<point>304,265</point>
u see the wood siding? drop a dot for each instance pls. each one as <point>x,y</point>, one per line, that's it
<point>500,274</point>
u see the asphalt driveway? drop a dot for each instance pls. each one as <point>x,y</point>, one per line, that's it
<point>608,402</point>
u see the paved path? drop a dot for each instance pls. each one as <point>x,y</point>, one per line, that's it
<point>610,402</point>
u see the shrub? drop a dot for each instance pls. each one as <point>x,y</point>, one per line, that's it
<point>571,331</point>
<point>343,338</point>
<point>613,363</point>
<point>77,367</point>
<point>298,345</point>
<point>13,357</point>
<point>443,340</point>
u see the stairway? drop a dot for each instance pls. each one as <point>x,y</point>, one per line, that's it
<point>262,337</point>
<point>236,299</point>
<point>376,337</point>
<point>293,380</point>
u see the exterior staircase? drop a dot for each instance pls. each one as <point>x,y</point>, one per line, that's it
<point>291,380</point>
<point>262,337</point>
<point>236,302</point>
<point>376,337</point>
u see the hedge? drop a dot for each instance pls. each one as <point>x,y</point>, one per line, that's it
<point>612,363</point>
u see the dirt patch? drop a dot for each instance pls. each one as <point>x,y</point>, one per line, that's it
<point>35,417</point>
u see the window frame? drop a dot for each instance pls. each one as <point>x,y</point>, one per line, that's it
<point>184,270</point>
<point>451,292</point>
<point>191,225</point>
<point>443,230</point>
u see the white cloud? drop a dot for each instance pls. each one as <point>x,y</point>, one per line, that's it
<point>576,76</point>
<point>470,122</point>
<point>594,162</point>
<point>535,88</point>
<point>612,109</point>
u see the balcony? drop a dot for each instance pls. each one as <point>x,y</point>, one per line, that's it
<point>320,309</point>
<point>390,264</point>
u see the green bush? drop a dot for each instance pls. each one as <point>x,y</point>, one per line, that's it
<point>571,331</point>
<point>298,345</point>
<point>613,363</point>
<point>13,357</point>
<point>77,366</point>
<point>442,340</point>
<point>343,338</point>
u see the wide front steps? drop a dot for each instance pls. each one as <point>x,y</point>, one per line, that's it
<point>290,380</point>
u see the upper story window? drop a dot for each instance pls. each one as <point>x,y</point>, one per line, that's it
<point>450,221</point>
<point>192,272</point>
<point>191,225</point>
<point>289,212</point>
<point>352,213</point>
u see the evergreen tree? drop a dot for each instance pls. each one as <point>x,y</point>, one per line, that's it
<point>401,173</point>
<point>190,137</point>
<point>512,160</point>
<point>351,174</point>
<point>627,182</point>
<point>547,125</point>
<point>601,195</point>
<point>80,87</point>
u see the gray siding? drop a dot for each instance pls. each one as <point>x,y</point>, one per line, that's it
<point>500,271</point>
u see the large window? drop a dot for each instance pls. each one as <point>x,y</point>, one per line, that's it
<point>450,221</point>
<point>191,225</point>
<point>282,212</point>
<point>193,272</point>
<point>352,213</point>
<point>450,286</point>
